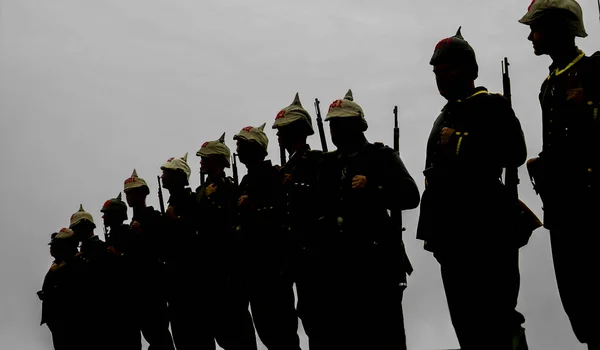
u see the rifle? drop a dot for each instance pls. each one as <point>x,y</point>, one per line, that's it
<point>397,149</point>
<point>282,155</point>
<point>511,175</point>
<point>527,220</point>
<point>320,125</point>
<point>235,170</point>
<point>161,201</point>
<point>106,236</point>
<point>397,215</point>
<point>396,131</point>
<point>202,178</point>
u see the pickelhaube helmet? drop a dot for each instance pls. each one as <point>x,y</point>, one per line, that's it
<point>294,114</point>
<point>455,49</point>
<point>216,148</point>
<point>135,182</point>
<point>346,108</point>
<point>81,216</point>
<point>115,205</point>
<point>64,235</point>
<point>254,134</point>
<point>178,164</point>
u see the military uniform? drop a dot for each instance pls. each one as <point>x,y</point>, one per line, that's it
<point>568,174</point>
<point>231,322</point>
<point>300,185</point>
<point>60,291</point>
<point>140,243</point>
<point>95,285</point>
<point>468,218</point>
<point>266,251</point>
<point>360,269</point>
<point>186,284</point>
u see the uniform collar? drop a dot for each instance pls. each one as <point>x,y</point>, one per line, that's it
<point>556,71</point>
<point>480,90</point>
<point>300,152</point>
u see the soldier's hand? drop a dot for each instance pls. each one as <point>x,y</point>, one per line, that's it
<point>287,178</point>
<point>359,181</point>
<point>170,213</point>
<point>446,134</point>
<point>243,201</point>
<point>136,227</point>
<point>112,251</point>
<point>210,189</point>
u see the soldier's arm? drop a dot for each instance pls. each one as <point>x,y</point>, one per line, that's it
<point>397,188</point>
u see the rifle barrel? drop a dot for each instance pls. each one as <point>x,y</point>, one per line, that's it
<point>161,201</point>
<point>320,125</point>
<point>396,131</point>
<point>235,170</point>
<point>511,175</point>
<point>282,155</point>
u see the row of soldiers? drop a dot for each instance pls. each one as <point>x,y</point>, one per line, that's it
<point>330,223</point>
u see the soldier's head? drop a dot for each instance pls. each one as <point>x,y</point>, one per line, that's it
<point>114,212</point>
<point>82,224</point>
<point>252,144</point>
<point>214,156</point>
<point>175,173</point>
<point>554,24</point>
<point>136,190</point>
<point>293,124</point>
<point>347,121</point>
<point>63,244</point>
<point>455,66</point>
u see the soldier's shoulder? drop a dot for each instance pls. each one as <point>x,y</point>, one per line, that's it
<point>330,154</point>
<point>594,62</point>
<point>380,149</point>
<point>314,155</point>
<point>380,146</point>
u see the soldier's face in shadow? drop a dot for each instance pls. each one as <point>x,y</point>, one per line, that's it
<point>136,197</point>
<point>168,178</point>
<point>289,136</point>
<point>112,219</point>
<point>249,152</point>
<point>345,132</point>
<point>83,230</point>
<point>550,35</point>
<point>452,80</point>
<point>211,164</point>
<point>540,40</point>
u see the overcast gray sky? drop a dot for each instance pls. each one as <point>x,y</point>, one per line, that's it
<point>92,89</point>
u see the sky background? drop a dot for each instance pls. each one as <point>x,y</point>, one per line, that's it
<point>90,90</point>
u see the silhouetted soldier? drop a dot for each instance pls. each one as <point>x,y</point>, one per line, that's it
<point>294,125</point>
<point>60,307</point>
<point>360,265</point>
<point>261,211</point>
<point>94,300</point>
<point>182,244</point>
<point>468,218</point>
<point>229,320</point>
<point>567,171</point>
<point>124,270</point>
<point>150,296</point>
